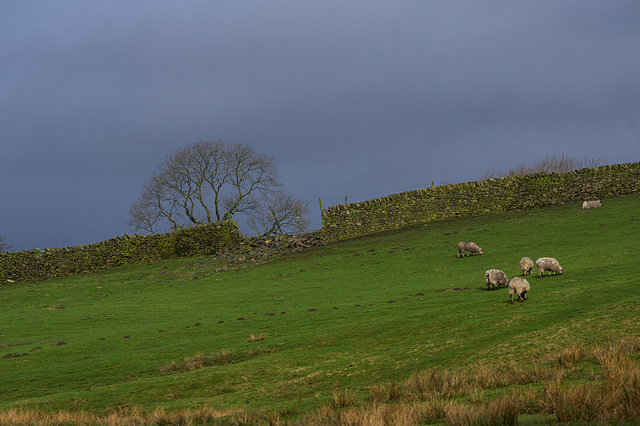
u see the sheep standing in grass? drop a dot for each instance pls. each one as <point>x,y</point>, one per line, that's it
<point>496,278</point>
<point>548,264</point>
<point>526,266</point>
<point>592,204</point>
<point>518,286</point>
<point>468,246</point>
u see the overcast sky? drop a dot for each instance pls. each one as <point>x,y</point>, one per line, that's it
<point>353,98</point>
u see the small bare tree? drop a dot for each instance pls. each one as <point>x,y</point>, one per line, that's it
<point>204,182</point>
<point>558,164</point>
<point>4,245</point>
<point>281,214</point>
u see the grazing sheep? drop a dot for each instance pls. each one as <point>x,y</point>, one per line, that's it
<point>496,278</point>
<point>467,246</point>
<point>518,286</point>
<point>526,266</point>
<point>549,264</point>
<point>592,204</point>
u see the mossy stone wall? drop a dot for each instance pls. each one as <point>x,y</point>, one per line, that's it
<point>35,265</point>
<point>341,221</point>
<point>478,198</point>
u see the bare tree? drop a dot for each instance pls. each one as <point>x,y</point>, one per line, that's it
<point>281,214</point>
<point>155,210</point>
<point>558,164</point>
<point>252,177</point>
<point>204,182</point>
<point>4,244</point>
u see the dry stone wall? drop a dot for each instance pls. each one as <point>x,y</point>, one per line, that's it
<point>35,265</point>
<point>223,239</point>
<point>478,198</point>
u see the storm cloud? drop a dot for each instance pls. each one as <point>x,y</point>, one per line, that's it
<point>357,99</point>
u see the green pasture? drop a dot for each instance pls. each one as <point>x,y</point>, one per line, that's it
<point>349,314</point>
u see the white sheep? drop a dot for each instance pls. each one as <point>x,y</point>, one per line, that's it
<point>468,246</point>
<point>526,266</point>
<point>518,286</point>
<point>548,264</point>
<point>592,204</point>
<point>496,278</point>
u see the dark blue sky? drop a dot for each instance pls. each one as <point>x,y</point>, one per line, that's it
<point>358,99</point>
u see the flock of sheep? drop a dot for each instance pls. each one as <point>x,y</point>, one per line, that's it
<point>519,286</point>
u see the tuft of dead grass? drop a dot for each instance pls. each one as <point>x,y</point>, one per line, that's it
<point>199,361</point>
<point>615,398</point>
<point>120,416</point>
<point>253,338</point>
<point>569,356</point>
<point>342,398</point>
<point>502,411</point>
<point>196,362</point>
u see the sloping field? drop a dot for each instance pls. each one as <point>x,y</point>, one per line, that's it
<point>283,337</point>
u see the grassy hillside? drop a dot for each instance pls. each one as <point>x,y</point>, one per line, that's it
<point>284,336</point>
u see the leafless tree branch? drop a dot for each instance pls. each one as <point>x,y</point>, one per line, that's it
<point>556,163</point>
<point>280,214</point>
<point>4,244</point>
<point>205,182</point>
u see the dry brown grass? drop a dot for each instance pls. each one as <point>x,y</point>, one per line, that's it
<point>436,383</point>
<point>569,356</point>
<point>444,384</point>
<point>488,395</point>
<point>132,416</point>
<point>342,398</point>
<point>196,362</point>
<point>459,397</point>
<point>253,338</point>
<point>199,361</point>
<point>374,414</point>
<point>503,411</point>
<point>512,374</point>
<point>614,398</point>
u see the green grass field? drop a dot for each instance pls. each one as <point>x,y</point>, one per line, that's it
<point>282,337</point>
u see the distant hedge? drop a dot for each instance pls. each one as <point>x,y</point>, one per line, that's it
<point>477,198</point>
<point>35,265</point>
